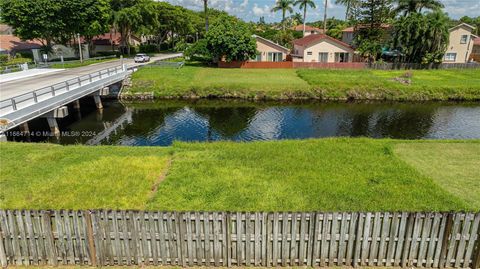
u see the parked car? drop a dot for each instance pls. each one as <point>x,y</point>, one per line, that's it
<point>141,58</point>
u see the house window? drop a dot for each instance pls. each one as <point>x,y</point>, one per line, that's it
<point>323,57</point>
<point>464,39</point>
<point>259,57</point>
<point>451,56</point>
<point>309,53</point>
<point>275,56</point>
<point>341,57</point>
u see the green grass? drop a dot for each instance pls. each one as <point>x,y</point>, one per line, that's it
<point>76,64</point>
<point>324,174</point>
<point>197,81</point>
<point>455,167</point>
<point>45,176</point>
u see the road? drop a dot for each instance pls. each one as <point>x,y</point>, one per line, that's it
<point>13,88</point>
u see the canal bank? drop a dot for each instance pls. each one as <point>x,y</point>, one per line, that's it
<point>193,82</point>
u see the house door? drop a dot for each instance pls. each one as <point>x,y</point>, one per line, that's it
<point>341,57</point>
<point>275,56</point>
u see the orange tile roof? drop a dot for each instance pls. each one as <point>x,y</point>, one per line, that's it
<point>305,41</point>
<point>11,42</point>
<point>476,41</point>
<point>307,28</point>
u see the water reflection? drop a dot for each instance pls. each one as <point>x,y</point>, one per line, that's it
<point>161,123</point>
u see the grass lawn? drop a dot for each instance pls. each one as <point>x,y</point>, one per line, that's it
<point>323,174</point>
<point>75,64</point>
<point>198,81</point>
<point>194,81</point>
<point>46,176</point>
<point>455,167</point>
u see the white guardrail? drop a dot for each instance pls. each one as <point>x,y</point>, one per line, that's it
<point>27,99</point>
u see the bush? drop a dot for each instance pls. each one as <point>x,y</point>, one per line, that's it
<point>199,51</point>
<point>25,54</point>
<point>107,53</point>
<point>3,58</point>
<point>148,48</point>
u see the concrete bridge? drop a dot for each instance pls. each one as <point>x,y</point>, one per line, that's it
<point>50,102</point>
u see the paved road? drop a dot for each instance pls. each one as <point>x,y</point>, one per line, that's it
<point>13,88</point>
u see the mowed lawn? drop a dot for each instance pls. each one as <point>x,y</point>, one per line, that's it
<point>46,176</point>
<point>194,81</point>
<point>197,81</point>
<point>379,84</point>
<point>341,174</point>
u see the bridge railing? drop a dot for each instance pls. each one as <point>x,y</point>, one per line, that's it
<point>33,97</point>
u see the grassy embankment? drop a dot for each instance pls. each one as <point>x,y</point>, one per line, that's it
<point>196,81</point>
<point>75,64</point>
<point>326,175</point>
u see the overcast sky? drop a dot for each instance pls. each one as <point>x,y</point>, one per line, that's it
<point>252,10</point>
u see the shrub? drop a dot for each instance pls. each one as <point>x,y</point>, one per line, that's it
<point>147,48</point>
<point>3,58</point>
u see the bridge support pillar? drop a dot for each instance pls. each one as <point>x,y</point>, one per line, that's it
<point>76,104</point>
<point>98,101</point>
<point>52,122</point>
<point>52,117</point>
<point>24,128</point>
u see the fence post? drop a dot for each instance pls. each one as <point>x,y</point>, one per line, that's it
<point>52,259</point>
<point>476,253</point>
<point>90,238</point>
<point>446,235</point>
<point>3,254</point>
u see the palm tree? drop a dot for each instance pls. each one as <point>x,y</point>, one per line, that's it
<point>205,9</point>
<point>284,6</point>
<point>304,4</point>
<point>325,17</point>
<point>350,5</point>
<point>413,6</point>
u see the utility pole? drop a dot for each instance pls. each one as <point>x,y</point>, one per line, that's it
<point>80,48</point>
<point>325,18</point>
<point>205,7</point>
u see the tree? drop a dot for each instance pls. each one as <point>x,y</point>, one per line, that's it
<point>205,10</point>
<point>35,19</point>
<point>231,39</point>
<point>304,4</point>
<point>131,15</point>
<point>371,35</point>
<point>422,38</point>
<point>416,6</point>
<point>284,6</point>
<point>351,6</point>
<point>325,16</point>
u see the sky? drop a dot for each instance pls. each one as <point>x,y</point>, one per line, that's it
<point>252,10</point>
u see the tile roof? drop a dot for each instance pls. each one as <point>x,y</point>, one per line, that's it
<point>308,28</point>
<point>317,37</point>
<point>13,43</point>
<point>476,41</point>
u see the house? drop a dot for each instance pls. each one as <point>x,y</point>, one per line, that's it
<point>460,44</point>
<point>349,33</point>
<point>476,50</point>
<point>309,30</point>
<point>321,48</point>
<point>6,29</point>
<point>10,44</point>
<point>269,51</point>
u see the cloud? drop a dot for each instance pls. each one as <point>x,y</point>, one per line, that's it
<point>261,11</point>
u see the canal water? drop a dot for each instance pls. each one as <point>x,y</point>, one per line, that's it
<point>160,123</point>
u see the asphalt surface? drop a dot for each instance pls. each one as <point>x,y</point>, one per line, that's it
<point>16,87</point>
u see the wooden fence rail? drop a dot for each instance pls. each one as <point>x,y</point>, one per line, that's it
<point>101,238</point>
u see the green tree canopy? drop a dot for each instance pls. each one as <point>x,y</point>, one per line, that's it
<point>284,6</point>
<point>423,38</point>
<point>371,35</point>
<point>416,6</point>
<point>232,39</point>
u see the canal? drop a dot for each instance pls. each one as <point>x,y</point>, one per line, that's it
<point>160,123</point>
